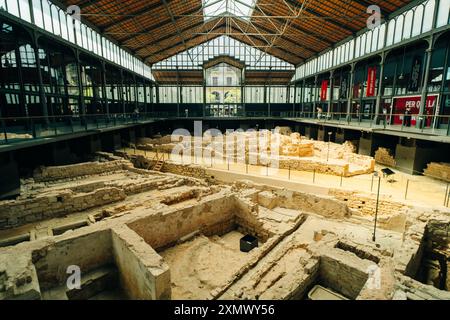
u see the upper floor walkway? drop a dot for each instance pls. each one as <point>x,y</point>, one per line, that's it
<point>22,132</point>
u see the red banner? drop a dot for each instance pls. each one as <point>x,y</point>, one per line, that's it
<point>400,105</point>
<point>324,91</point>
<point>371,81</point>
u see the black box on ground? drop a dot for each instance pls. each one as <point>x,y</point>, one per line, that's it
<point>248,243</point>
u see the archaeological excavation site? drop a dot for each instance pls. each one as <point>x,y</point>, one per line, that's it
<point>144,222</point>
<point>238,156</point>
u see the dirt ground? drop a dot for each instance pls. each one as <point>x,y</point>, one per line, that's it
<point>204,264</point>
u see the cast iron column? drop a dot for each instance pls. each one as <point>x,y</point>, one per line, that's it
<point>350,91</point>
<point>42,96</point>
<point>330,100</point>
<point>380,87</point>
<point>423,99</point>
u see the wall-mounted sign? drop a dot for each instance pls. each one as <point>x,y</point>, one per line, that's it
<point>324,90</point>
<point>413,102</point>
<point>371,81</point>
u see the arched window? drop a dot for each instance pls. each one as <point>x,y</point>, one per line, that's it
<point>428,18</point>
<point>418,19</point>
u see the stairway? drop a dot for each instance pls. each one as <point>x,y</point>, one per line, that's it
<point>158,166</point>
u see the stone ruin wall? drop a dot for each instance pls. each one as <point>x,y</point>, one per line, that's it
<point>217,216</point>
<point>165,229</point>
<point>392,214</point>
<point>240,211</point>
<point>348,268</point>
<point>439,171</point>
<point>39,206</point>
<point>246,217</point>
<point>335,266</point>
<point>91,251</point>
<point>19,212</point>
<point>194,171</point>
<point>323,206</point>
<point>31,268</point>
<point>296,152</point>
<point>315,166</point>
<point>143,273</point>
<point>384,156</point>
<point>46,174</point>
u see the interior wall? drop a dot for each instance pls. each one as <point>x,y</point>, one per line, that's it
<point>143,274</point>
<point>90,251</point>
<point>163,230</point>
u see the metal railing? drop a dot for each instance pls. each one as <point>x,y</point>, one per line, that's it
<point>401,187</point>
<point>18,129</point>
<point>429,124</point>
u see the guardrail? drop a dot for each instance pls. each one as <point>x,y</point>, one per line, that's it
<point>18,129</point>
<point>437,125</point>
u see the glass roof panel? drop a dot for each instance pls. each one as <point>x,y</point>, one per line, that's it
<point>239,8</point>
<point>194,58</point>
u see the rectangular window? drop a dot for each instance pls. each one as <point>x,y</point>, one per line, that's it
<point>13,7</point>
<point>443,13</point>
<point>47,16</point>
<point>37,12</point>
<point>25,13</point>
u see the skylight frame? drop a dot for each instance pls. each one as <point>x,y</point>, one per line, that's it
<point>253,58</point>
<point>242,9</point>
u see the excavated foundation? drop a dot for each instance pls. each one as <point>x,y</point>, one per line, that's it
<point>119,232</point>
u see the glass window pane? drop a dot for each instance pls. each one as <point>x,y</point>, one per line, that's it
<point>374,39</point>
<point>37,12</point>
<point>428,18</point>
<point>369,42</point>
<point>70,29</point>
<point>47,16</point>
<point>363,45</point>
<point>390,33</point>
<point>55,18</point>
<point>381,37</point>
<point>13,7</point>
<point>63,20</point>
<point>351,50</point>
<point>357,48</point>
<point>408,25</point>
<point>398,29</point>
<point>418,18</point>
<point>25,13</point>
<point>79,39</point>
<point>443,13</point>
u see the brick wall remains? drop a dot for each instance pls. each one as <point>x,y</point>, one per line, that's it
<point>45,174</point>
<point>169,167</point>
<point>391,214</point>
<point>438,171</point>
<point>384,156</point>
<point>19,212</point>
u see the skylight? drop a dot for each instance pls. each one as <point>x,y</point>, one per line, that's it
<point>238,8</point>
<point>195,57</point>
